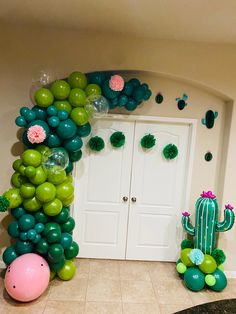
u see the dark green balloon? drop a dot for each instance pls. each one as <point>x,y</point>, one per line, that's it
<point>84,130</point>
<point>66,240</point>
<point>63,216</point>
<point>41,217</point>
<point>51,226</point>
<point>54,236</point>
<point>23,236</point>
<point>221,280</point>
<point>23,247</point>
<point>68,226</point>
<point>72,251</point>
<point>194,279</point>
<point>26,222</point>
<point>57,266</point>
<point>70,167</point>
<point>9,255</point>
<point>17,212</point>
<point>55,253</point>
<point>75,156</point>
<point>37,238</point>
<point>42,246</point>
<point>39,227</point>
<point>13,229</point>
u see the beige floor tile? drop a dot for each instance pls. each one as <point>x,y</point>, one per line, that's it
<point>64,307</point>
<point>73,290</point>
<point>137,292</point>
<point>104,269</point>
<point>200,297</point>
<point>172,292</point>
<point>160,271</point>
<point>103,308</point>
<point>134,270</point>
<point>170,309</point>
<point>103,290</point>
<point>82,267</point>
<point>140,308</point>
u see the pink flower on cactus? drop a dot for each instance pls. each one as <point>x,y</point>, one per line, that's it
<point>36,134</point>
<point>186,214</point>
<point>116,83</point>
<point>229,206</point>
<point>208,194</point>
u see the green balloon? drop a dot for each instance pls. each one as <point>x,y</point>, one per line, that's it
<point>31,234</point>
<point>39,227</point>
<point>63,105</point>
<point>66,240</point>
<point>17,212</point>
<point>54,236</point>
<point>13,229</point>
<point>43,97</point>
<point>72,251</point>
<point>23,247</point>
<point>22,170</point>
<point>77,79</point>
<point>14,197</point>
<point>55,253</point>
<point>42,246</point>
<point>51,226</point>
<point>16,164</point>
<point>208,265</point>
<point>181,268</point>
<point>60,89</point>
<point>56,177</point>
<point>46,192</point>
<point>43,149</point>
<point>75,156</point>
<point>67,272</point>
<point>93,89</point>
<point>57,266</point>
<point>210,280</point>
<point>27,190</point>
<point>69,225</point>
<point>63,216</point>
<point>64,191</point>
<point>77,97</point>
<point>53,207</point>
<point>185,257</point>
<point>84,130</point>
<point>26,222</point>
<point>9,255</point>
<point>67,202</point>
<point>30,171</point>
<point>52,275</point>
<point>41,217</point>
<point>31,157</point>
<point>40,176</point>
<point>221,267</point>
<point>221,280</point>
<point>23,236</point>
<point>17,180</point>
<point>194,279</point>
<point>32,204</point>
<point>79,116</point>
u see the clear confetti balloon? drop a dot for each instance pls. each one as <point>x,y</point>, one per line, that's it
<point>55,159</point>
<point>96,105</point>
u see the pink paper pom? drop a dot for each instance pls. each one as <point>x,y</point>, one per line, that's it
<point>36,134</point>
<point>229,206</point>
<point>116,83</point>
<point>186,214</point>
<point>208,194</point>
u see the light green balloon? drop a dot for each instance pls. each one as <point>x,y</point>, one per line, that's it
<point>53,207</point>
<point>79,116</point>
<point>77,97</point>
<point>210,280</point>
<point>221,267</point>
<point>67,272</point>
<point>181,268</point>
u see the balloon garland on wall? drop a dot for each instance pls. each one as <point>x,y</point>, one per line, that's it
<point>42,189</point>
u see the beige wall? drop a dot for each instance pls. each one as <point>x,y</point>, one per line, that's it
<point>24,50</point>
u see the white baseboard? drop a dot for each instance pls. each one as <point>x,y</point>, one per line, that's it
<point>230,273</point>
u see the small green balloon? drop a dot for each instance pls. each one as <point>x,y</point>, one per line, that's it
<point>56,177</point>
<point>93,89</point>
<point>57,266</point>
<point>79,116</point>
<point>31,157</point>
<point>17,212</point>
<point>221,280</point>
<point>27,190</point>
<point>40,176</point>
<point>63,216</point>
<point>185,257</point>
<point>13,229</point>
<point>63,105</point>
<point>16,164</point>
<point>32,204</point>
<point>69,225</point>
<point>60,89</point>
<point>31,234</point>
<point>208,265</point>
<point>30,171</point>
<point>46,192</point>
<point>181,268</point>
<point>55,253</point>
<point>42,246</point>
<point>23,247</point>
<point>77,80</point>
<point>26,222</point>
<point>51,226</point>
<point>72,251</point>
<point>17,180</point>
<point>67,272</point>
<point>43,97</point>
<point>64,191</point>
<point>66,240</point>
<point>53,207</point>
<point>54,236</point>
<point>77,97</point>
<point>9,255</point>
<point>221,267</point>
<point>210,280</point>
<point>41,217</point>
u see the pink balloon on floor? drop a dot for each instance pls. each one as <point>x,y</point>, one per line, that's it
<point>27,277</point>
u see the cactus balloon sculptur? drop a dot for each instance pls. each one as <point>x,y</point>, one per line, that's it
<point>201,262</point>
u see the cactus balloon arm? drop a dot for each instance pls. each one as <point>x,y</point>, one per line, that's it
<point>228,222</point>
<point>187,225</point>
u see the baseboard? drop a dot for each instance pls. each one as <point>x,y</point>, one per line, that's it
<point>230,274</point>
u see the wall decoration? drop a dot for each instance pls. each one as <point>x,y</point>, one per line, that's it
<point>159,98</point>
<point>96,143</point>
<point>208,156</point>
<point>117,139</point>
<point>182,102</point>
<point>148,141</point>
<point>209,119</point>
<point>170,151</point>
<point>203,264</point>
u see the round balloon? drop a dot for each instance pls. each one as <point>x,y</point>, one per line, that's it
<point>43,97</point>
<point>208,266</point>
<point>79,116</point>
<point>194,279</point>
<point>77,97</point>
<point>67,272</point>
<point>185,257</point>
<point>60,89</point>
<point>56,159</point>
<point>77,80</point>
<point>96,105</point>
<point>9,255</point>
<point>221,280</point>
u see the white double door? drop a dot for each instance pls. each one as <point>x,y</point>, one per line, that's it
<point>128,200</point>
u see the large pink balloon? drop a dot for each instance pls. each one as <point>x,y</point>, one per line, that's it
<point>27,277</point>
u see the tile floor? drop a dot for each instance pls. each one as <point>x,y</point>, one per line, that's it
<point>115,287</point>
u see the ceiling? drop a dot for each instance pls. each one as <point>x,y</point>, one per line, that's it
<point>189,20</point>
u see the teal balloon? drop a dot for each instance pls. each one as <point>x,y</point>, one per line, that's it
<point>57,266</point>
<point>70,167</point>
<point>53,140</point>
<point>74,144</point>
<point>128,89</point>
<point>13,229</point>
<point>135,82</point>
<point>63,216</point>
<point>40,217</point>
<point>42,247</point>
<point>131,104</point>
<point>147,94</point>
<point>72,251</point>
<point>41,123</point>
<point>113,103</point>
<point>26,222</point>
<point>122,100</point>
<point>24,111</point>
<point>23,236</point>
<point>194,279</point>
<point>139,94</point>
<point>66,240</point>
<point>221,280</point>
<point>41,113</point>
<point>75,156</point>
<point>84,130</point>
<point>23,247</point>
<point>52,110</point>
<point>30,116</point>
<point>39,227</point>
<point>108,92</point>
<point>31,234</point>
<point>9,255</point>
<point>96,78</point>
<point>63,115</point>
<point>53,121</point>
<point>20,121</point>
<point>37,238</point>
<point>66,129</point>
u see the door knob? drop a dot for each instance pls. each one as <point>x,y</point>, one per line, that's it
<point>133,199</point>
<point>125,198</point>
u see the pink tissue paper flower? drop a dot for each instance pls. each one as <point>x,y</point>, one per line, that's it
<point>36,134</point>
<point>116,83</point>
<point>229,206</point>
<point>208,194</point>
<point>186,214</point>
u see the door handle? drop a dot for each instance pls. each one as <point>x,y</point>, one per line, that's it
<point>125,198</point>
<point>133,199</point>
